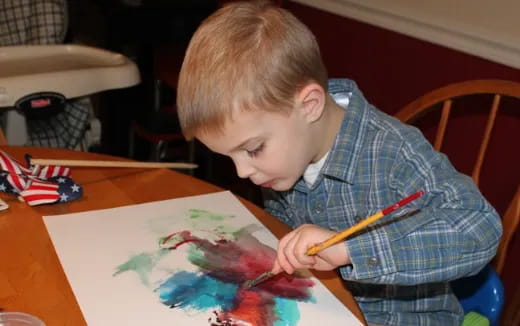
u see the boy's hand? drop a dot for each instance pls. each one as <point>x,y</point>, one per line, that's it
<point>292,247</point>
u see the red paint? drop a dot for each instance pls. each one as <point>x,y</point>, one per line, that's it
<point>236,261</point>
<point>402,202</point>
<point>254,307</point>
<point>185,235</point>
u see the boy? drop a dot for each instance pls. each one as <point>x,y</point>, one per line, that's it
<point>253,87</point>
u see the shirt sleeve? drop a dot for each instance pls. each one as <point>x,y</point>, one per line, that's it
<point>275,205</point>
<point>448,233</point>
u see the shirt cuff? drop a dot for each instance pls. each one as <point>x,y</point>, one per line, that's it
<point>370,256</point>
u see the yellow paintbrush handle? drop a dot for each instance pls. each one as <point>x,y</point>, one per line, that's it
<point>343,234</point>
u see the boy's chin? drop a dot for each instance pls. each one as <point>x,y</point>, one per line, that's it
<point>283,185</point>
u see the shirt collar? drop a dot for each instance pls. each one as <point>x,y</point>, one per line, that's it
<point>344,155</point>
<point>350,139</point>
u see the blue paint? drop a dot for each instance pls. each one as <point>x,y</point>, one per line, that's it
<point>286,311</point>
<point>222,265</point>
<point>197,291</point>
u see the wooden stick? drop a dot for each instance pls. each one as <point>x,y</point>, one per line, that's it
<point>113,164</point>
<point>361,225</point>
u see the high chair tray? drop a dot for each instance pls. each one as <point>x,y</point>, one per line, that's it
<point>70,70</point>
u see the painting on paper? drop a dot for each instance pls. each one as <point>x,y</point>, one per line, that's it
<point>183,262</point>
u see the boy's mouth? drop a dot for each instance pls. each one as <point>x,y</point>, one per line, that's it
<point>267,184</point>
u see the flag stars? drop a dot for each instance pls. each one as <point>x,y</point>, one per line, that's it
<point>64,197</point>
<point>2,187</point>
<point>61,180</point>
<point>75,188</point>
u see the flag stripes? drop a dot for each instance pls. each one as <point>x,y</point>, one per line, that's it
<point>32,184</point>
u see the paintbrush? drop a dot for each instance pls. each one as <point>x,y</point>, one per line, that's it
<point>340,236</point>
<point>113,164</point>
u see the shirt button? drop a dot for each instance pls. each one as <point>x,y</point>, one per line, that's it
<point>318,209</point>
<point>358,219</point>
<point>373,261</point>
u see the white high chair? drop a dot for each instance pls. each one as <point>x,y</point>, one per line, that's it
<point>37,79</point>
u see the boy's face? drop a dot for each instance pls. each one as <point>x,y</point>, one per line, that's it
<point>271,149</point>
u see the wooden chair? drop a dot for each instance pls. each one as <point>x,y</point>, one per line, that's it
<point>444,99</point>
<point>447,95</point>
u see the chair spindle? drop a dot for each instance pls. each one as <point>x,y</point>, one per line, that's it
<point>485,141</point>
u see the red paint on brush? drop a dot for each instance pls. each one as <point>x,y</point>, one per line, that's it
<point>403,202</point>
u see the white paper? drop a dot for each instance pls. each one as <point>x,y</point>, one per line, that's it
<point>90,246</point>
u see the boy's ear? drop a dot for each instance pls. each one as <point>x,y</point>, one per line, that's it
<point>311,101</point>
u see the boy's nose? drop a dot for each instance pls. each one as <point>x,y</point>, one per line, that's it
<point>244,170</point>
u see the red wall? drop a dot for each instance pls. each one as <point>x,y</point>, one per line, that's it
<point>393,69</point>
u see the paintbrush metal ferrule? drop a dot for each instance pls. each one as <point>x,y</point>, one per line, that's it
<point>257,280</point>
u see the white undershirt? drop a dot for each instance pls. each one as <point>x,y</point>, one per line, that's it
<point>313,170</point>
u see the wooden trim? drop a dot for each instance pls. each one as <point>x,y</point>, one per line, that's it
<point>467,37</point>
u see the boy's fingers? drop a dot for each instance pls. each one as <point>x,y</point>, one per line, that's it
<point>292,254</point>
<point>300,253</point>
<point>285,265</point>
<point>282,261</point>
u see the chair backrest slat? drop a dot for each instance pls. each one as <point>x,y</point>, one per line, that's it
<point>485,140</point>
<point>441,130</point>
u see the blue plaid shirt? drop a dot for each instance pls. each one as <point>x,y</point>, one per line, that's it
<point>400,266</point>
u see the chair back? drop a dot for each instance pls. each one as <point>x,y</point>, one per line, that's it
<point>444,99</point>
<point>482,293</point>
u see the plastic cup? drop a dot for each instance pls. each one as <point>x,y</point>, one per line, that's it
<point>19,319</point>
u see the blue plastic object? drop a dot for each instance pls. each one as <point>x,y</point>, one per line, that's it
<point>482,293</point>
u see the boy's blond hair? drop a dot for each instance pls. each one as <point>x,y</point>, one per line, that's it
<point>247,55</point>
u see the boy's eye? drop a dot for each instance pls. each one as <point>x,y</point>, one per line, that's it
<point>256,151</point>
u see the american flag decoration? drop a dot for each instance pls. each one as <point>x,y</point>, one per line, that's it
<point>36,184</point>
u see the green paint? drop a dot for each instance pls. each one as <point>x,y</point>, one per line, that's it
<point>224,229</point>
<point>207,215</point>
<point>142,264</point>
<point>205,220</point>
<point>196,256</point>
